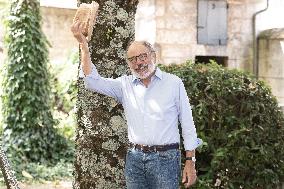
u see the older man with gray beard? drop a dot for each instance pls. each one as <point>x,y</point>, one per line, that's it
<point>154,101</point>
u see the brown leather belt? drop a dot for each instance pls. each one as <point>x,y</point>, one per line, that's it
<point>154,148</point>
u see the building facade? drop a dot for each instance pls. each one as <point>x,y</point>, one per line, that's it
<point>222,30</point>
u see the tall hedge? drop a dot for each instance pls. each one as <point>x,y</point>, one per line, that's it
<point>241,125</point>
<point>28,124</point>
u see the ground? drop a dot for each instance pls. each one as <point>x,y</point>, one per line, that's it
<point>48,185</point>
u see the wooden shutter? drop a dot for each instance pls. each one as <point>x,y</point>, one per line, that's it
<point>212,22</point>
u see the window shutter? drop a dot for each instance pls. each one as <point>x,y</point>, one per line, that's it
<point>212,22</point>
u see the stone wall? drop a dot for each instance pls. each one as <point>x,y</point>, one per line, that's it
<point>271,59</point>
<point>176,23</point>
<point>172,27</point>
<point>56,26</point>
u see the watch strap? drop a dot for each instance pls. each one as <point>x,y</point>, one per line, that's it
<point>190,158</point>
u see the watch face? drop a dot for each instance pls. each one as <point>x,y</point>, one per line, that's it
<point>191,158</point>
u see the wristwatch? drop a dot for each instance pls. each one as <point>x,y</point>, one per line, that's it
<point>191,158</point>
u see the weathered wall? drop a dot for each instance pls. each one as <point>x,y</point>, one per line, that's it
<point>271,67</point>
<point>56,26</point>
<point>172,26</point>
<point>177,32</point>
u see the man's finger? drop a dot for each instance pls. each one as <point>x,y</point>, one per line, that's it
<point>73,26</point>
<point>82,26</point>
<point>187,184</point>
<point>183,178</point>
<point>191,180</point>
<point>77,26</point>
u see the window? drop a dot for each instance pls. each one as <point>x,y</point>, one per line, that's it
<point>221,60</point>
<point>212,22</point>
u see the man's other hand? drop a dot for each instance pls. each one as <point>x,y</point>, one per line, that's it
<point>189,174</point>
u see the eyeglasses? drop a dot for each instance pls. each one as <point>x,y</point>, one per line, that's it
<point>141,57</point>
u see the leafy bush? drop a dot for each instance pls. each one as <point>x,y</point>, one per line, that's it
<point>28,124</point>
<point>64,94</point>
<point>240,123</point>
<point>39,173</point>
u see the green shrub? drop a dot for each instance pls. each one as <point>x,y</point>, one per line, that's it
<point>39,173</point>
<point>64,94</point>
<point>28,124</point>
<point>240,123</point>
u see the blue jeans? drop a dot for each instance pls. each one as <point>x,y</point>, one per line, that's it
<point>152,170</point>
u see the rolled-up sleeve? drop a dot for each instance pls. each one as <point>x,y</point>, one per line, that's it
<point>107,86</point>
<point>185,117</point>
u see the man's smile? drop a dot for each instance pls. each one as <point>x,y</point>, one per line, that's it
<point>142,68</point>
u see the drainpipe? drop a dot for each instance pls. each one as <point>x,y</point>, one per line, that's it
<point>255,42</point>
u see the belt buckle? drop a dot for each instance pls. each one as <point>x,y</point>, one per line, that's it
<point>147,149</point>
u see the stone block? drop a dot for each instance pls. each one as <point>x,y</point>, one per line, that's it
<point>233,63</point>
<point>56,26</point>
<point>271,59</point>
<point>176,51</point>
<point>168,61</point>
<point>181,7</point>
<point>175,36</point>
<point>234,42</point>
<point>160,6</point>
<point>160,23</point>
<point>235,26</point>
<point>246,26</point>
<point>236,11</point>
<point>178,22</point>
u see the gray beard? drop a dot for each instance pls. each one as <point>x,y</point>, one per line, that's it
<point>144,75</point>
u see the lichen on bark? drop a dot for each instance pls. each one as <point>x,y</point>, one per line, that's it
<point>101,135</point>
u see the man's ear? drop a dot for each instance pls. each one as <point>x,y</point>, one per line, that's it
<point>153,57</point>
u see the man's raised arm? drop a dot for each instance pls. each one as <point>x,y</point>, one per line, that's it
<point>77,28</point>
<point>93,81</point>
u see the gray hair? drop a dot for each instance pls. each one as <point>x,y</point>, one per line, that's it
<point>148,45</point>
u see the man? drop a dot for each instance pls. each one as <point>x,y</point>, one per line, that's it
<point>153,102</point>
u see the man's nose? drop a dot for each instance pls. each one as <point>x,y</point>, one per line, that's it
<point>137,64</point>
<point>138,61</point>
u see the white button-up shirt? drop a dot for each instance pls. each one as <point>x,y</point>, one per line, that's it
<point>152,112</point>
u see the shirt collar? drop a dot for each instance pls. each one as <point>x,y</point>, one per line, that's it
<point>158,74</point>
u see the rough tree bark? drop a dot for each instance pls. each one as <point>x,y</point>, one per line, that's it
<point>7,172</point>
<point>101,135</point>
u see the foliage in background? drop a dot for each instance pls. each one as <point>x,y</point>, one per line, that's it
<point>240,123</point>
<point>64,94</point>
<point>64,90</point>
<point>29,133</point>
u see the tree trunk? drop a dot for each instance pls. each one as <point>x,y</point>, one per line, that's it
<point>7,172</point>
<point>101,135</point>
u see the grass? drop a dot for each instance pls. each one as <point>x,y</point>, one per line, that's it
<point>34,173</point>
